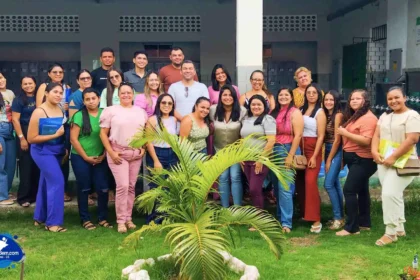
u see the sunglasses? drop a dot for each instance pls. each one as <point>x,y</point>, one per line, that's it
<point>57,72</point>
<point>114,77</point>
<point>169,103</point>
<point>85,78</point>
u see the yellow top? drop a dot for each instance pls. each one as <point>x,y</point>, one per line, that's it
<point>299,98</point>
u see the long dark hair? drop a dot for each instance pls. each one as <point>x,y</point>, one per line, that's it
<point>50,86</point>
<point>349,114</point>
<point>318,102</point>
<point>277,109</point>
<point>214,82</point>
<point>264,87</point>
<point>158,112</point>
<point>219,115</point>
<point>86,128</point>
<point>55,64</point>
<point>391,89</point>
<point>336,108</point>
<point>22,95</point>
<point>1,95</point>
<point>198,101</point>
<point>260,118</point>
<point>110,87</point>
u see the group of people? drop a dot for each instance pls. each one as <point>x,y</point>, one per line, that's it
<point>93,127</point>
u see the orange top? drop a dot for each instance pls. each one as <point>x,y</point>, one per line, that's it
<point>169,75</point>
<point>364,126</point>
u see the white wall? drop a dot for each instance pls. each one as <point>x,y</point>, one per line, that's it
<point>413,50</point>
<point>396,29</point>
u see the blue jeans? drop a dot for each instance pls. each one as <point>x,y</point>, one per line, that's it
<point>86,174</point>
<point>284,197</point>
<point>7,159</point>
<point>332,182</point>
<point>167,158</point>
<point>234,174</point>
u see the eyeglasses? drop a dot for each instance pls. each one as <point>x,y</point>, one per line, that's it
<point>169,103</point>
<point>115,77</point>
<point>85,78</point>
<point>257,80</point>
<point>57,72</point>
<point>186,92</point>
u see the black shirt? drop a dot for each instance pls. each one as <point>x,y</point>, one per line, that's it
<point>99,78</point>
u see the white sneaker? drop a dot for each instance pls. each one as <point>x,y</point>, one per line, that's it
<point>6,202</point>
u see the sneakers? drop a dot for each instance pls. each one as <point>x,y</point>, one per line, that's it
<point>6,202</point>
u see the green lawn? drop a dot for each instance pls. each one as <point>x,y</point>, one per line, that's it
<point>81,254</point>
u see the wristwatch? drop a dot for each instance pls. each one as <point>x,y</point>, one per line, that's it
<point>20,136</point>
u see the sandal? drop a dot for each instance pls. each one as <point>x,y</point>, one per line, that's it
<point>88,225</point>
<point>364,228</point>
<point>122,228</point>
<point>130,225</point>
<point>386,239</point>
<point>316,229</point>
<point>286,230</point>
<point>105,224</point>
<point>57,229</point>
<point>401,233</point>
<point>337,224</point>
<point>252,229</point>
<point>25,204</point>
<point>38,223</point>
<point>67,198</point>
<point>346,233</point>
<point>91,202</point>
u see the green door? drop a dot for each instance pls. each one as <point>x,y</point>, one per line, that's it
<point>354,66</point>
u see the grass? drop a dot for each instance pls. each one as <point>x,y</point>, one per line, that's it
<point>81,254</point>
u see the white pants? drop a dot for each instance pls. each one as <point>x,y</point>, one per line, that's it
<point>393,187</point>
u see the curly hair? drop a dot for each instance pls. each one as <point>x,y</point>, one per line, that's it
<point>351,115</point>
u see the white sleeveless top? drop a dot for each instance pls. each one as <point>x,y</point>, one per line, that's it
<point>309,125</point>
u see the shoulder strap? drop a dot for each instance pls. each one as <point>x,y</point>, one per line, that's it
<point>44,111</point>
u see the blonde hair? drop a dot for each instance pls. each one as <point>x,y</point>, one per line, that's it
<point>304,69</point>
<point>147,89</point>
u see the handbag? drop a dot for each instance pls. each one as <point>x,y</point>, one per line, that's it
<point>299,161</point>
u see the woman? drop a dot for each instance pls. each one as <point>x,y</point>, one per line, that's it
<point>259,123</point>
<point>401,126</point>
<point>195,126</point>
<point>118,125</point>
<point>220,77</point>
<point>333,156</point>
<point>161,155</point>
<point>226,117</point>
<point>56,75</point>
<point>7,143</point>
<point>22,108</point>
<point>87,159</point>
<point>46,134</point>
<point>152,89</point>
<point>258,87</point>
<point>289,129</point>
<point>109,95</point>
<point>303,78</point>
<point>314,121</point>
<point>84,80</point>
<point>357,132</point>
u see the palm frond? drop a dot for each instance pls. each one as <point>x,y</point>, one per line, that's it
<point>196,246</point>
<point>267,226</point>
<point>133,239</point>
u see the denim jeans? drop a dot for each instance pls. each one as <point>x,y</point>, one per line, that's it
<point>332,182</point>
<point>7,159</point>
<point>86,175</point>
<point>167,158</point>
<point>284,197</point>
<point>234,174</point>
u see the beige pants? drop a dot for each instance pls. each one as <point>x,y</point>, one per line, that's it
<point>393,187</point>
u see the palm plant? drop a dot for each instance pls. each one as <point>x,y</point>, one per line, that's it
<point>196,229</point>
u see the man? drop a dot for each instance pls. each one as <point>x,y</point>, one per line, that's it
<point>171,73</point>
<point>186,91</point>
<point>99,75</point>
<point>137,77</point>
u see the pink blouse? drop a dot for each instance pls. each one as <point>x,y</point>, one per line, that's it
<point>214,94</point>
<point>284,128</point>
<point>142,102</point>
<point>123,123</point>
